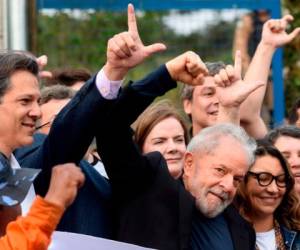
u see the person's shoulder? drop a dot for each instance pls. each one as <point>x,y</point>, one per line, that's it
<point>23,152</point>
<point>159,170</point>
<point>232,214</point>
<point>39,138</point>
<point>156,159</point>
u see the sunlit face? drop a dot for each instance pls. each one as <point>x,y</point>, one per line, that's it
<point>213,178</point>
<point>203,107</point>
<point>265,200</point>
<point>290,149</point>
<point>49,111</point>
<point>167,137</point>
<point>19,111</point>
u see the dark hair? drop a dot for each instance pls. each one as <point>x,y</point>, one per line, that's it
<point>56,92</point>
<point>68,77</point>
<point>152,116</point>
<point>12,61</point>
<point>213,69</point>
<point>288,212</point>
<point>287,130</point>
<point>293,114</point>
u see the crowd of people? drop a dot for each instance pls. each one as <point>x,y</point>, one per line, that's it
<point>88,156</point>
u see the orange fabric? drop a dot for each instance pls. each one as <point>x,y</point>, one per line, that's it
<point>32,232</point>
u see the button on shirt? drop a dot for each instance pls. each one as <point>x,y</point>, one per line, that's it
<point>108,89</point>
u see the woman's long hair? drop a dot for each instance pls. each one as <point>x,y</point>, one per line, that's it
<point>153,115</point>
<point>288,212</point>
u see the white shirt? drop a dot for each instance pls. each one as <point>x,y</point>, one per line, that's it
<point>100,169</point>
<point>109,89</point>
<point>266,240</point>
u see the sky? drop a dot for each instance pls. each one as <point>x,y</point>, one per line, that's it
<point>195,20</point>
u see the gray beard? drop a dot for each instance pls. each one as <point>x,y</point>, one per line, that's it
<point>203,206</point>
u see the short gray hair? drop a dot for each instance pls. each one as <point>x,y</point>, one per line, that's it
<point>213,69</point>
<point>209,138</point>
<point>56,92</point>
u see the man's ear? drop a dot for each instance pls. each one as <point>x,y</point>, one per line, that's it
<point>188,163</point>
<point>187,106</point>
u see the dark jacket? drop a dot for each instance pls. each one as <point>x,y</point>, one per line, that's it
<point>153,209</point>
<point>68,141</point>
<point>90,213</point>
<point>291,238</point>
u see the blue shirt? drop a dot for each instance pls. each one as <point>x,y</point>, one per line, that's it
<point>210,233</point>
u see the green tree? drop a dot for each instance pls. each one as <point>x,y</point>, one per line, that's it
<point>72,40</point>
<point>291,57</point>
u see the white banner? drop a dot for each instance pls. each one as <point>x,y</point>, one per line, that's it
<point>72,241</point>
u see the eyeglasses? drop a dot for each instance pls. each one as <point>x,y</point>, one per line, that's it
<point>46,123</point>
<point>264,179</point>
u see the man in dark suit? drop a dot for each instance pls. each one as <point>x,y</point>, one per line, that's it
<point>152,208</point>
<point>66,142</point>
<point>94,198</point>
<point>70,135</point>
<point>19,111</point>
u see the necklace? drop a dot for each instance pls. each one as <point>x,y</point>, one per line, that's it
<point>278,238</point>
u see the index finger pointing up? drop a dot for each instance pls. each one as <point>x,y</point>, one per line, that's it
<point>287,19</point>
<point>132,26</point>
<point>238,63</point>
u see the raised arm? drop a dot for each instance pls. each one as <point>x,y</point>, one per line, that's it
<point>241,39</point>
<point>74,127</point>
<point>274,35</point>
<point>126,50</point>
<point>127,168</point>
<point>232,91</point>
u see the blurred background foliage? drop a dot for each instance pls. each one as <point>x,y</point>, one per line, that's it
<point>291,56</point>
<point>79,38</point>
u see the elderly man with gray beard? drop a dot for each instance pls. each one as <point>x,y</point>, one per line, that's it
<point>152,209</point>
